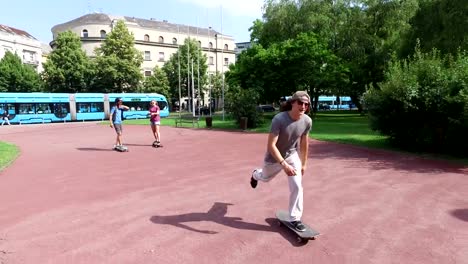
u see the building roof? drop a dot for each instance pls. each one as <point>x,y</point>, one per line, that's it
<point>101,18</point>
<point>15,31</point>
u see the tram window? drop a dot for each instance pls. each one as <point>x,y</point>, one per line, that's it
<point>26,109</point>
<point>61,109</point>
<point>43,109</point>
<point>137,105</point>
<point>82,107</point>
<point>8,107</point>
<point>162,105</point>
<point>89,107</point>
<point>97,107</point>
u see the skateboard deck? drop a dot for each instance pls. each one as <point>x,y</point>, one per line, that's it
<point>121,148</point>
<point>304,236</point>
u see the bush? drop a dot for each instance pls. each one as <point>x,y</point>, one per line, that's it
<point>243,103</point>
<point>423,103</point>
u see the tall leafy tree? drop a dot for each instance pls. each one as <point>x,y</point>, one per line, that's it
<point>438,24</point>
<point>363,33</point>
<point>156,83</point>
<point>67,69</point>
<point>118,62</point>
<point>16,76</point>
<point>302,63</point>
<point>189,54</point>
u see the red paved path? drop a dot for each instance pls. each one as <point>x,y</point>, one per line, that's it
<point>69,199</point>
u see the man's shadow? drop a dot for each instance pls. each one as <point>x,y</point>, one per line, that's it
<point>461,214</point>
<point>217,214</point>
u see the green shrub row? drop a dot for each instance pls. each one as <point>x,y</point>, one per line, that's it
<point>423,103</point>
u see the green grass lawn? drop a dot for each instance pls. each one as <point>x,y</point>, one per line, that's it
<point>9,153</point>
<point>344,126</point>
<point>347,127</point>
<point>338,126</point>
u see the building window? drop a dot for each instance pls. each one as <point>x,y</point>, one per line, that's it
<point>103,34</point>
<point>225,46</point>
<point>147,55</point>
<point>161,39</point>
<point>147,38</point>
<point>210,45</point>
<point>210,60</point>
<point>147,73</point>
<point>161,56</point>
<point>85,33</point>
<point>174,41</point>
<point>7,48</point>
<point>226,61</point>
<point>29,56</point>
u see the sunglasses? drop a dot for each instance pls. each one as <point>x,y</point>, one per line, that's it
<point>302,103</point>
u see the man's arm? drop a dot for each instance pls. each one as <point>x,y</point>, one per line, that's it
<point>110,117</point>
<point>304,151</point>
<point>273,150</point>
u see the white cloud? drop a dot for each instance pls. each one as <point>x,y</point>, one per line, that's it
<point>251,8</point>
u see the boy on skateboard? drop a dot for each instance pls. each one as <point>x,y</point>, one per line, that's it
<point>287,150</point>
<point>115,119</point>
<point>155,122</point>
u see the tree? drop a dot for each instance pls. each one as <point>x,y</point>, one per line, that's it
<point>423,103</point>
<point>216,83</point>
<point>438,24</point>
<point>156,83</point>
<point>67,69</point>
<point>302,63</point>
<point>189,54</point>
<point>17,77</point>
<point>363,33</point>
<point>118,62</point>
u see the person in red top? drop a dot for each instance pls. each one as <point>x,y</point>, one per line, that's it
<point>155,122</point>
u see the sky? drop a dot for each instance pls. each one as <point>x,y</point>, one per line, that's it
<point>231,17</point>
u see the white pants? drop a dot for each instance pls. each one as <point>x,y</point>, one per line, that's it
<point>296,199</point>
<point>5,119</point>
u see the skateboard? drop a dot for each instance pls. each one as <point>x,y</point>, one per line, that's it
<point>157,144</point>
<point>121,148</point>
<point>302,237</point>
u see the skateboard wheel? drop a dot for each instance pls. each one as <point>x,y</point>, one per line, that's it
<point>299,240</point>
<point>280,224</point>
<point>313,238</point>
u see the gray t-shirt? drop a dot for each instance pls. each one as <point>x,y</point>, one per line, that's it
<point>289,132</point>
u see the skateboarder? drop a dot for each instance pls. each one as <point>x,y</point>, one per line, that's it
<point>5,117</point>
<point>287,150</point>
<point>115,119</point>
<point>155,122</point>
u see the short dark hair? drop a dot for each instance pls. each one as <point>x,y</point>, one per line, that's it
<point>117,99</point>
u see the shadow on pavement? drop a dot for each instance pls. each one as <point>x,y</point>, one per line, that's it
<point>217,214</point>
<point>95,149</point>
<point>376,159</point>
<point>461,214</point>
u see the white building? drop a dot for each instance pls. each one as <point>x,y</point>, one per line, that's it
<point>241,46</point>
<point>157,40</point>
<point>23,44</point>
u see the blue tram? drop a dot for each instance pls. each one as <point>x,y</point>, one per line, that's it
<point>25,108</point>
<point>329,102</point>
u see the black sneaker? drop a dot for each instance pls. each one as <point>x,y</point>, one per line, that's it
<point>253,182</point>
<point>298,225</point>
